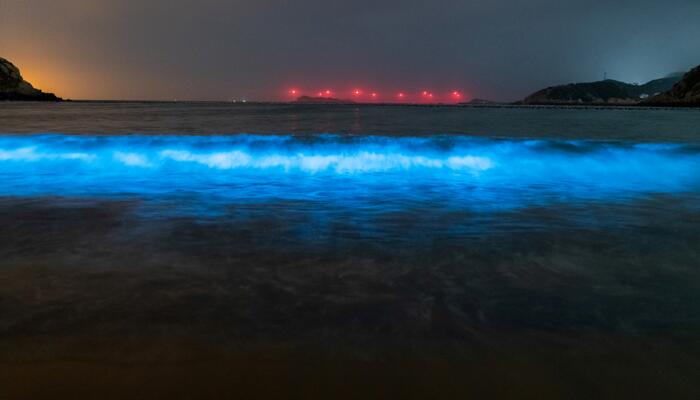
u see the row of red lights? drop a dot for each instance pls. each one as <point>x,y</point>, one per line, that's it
<point>358,93</point>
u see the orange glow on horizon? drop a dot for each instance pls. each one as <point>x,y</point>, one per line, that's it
<point>71,79</point>
<point>40,80</point>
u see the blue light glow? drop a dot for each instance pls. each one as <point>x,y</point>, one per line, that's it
<point>355,171</point>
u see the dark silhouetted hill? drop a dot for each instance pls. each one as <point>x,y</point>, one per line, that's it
<point>322,100</point>
<point>601,92</point>
<point>684,93</point>
<point>14,87</point>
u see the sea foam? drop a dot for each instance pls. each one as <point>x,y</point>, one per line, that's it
<point>466,170</point>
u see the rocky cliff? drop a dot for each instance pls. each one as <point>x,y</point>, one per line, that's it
<point>13,87</point>
<point>684,93</point>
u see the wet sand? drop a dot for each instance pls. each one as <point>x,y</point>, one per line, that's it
<point>98,302</point>
<point>579,368</point>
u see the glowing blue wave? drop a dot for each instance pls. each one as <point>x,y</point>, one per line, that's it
<point>463,172</point>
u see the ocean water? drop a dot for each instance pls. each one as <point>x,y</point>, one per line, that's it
<point>363,250</point>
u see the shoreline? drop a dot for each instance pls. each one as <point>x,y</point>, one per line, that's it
<point>380,105</point>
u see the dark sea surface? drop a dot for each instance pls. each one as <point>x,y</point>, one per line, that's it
<point>218,250</point>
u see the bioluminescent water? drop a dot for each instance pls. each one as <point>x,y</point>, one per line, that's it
<point>389,173</point>
<point>552,251</point>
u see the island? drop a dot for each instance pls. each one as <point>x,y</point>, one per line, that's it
<point>321,100</point>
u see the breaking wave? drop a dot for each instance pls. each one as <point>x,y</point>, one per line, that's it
<point>333,167</point>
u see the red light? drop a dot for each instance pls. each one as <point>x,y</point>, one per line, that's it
<point>423,95</point>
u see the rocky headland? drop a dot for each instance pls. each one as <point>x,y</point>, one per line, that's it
<point>685,93</point>
<point>14,88</point>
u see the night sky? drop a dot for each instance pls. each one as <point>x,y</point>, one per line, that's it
<point>259,49</point>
